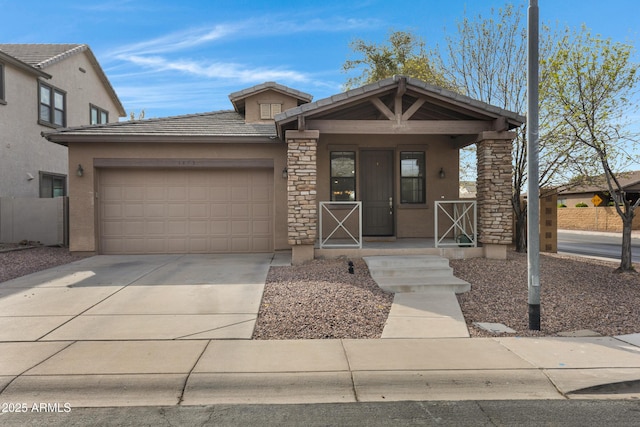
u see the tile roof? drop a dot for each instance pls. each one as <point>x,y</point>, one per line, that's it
<point>270,85</point>
<point>6,58</point>
<point>238,98</point>
<point>42,55</point>
<point>225,123</point>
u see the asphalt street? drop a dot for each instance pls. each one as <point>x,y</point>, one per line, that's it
<point>596,245</point>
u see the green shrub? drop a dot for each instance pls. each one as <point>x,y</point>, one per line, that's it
<point>562,205</point>
<point>582,205</point>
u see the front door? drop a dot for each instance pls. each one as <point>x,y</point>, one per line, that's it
<point>376,187</point>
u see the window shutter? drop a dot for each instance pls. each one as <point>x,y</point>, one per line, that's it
<point>265,111</point>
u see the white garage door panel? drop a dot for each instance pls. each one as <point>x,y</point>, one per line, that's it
<point>186,211</point>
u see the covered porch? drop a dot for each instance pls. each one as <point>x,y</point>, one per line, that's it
<point>392,149</point>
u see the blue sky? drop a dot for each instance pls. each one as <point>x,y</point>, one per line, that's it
<point>182,57</point>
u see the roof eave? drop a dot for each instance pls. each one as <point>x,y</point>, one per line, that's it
<point>66,138</point>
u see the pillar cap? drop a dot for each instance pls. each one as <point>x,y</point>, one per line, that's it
<point>304,134</point>
<point>491,134</point>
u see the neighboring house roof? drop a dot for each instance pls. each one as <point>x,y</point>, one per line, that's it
<point>462,105</point>
<point>217,126</point>
<point>630,181</point>
<point>41,56</point>
<point>238,98</point>
<point>5,57</point>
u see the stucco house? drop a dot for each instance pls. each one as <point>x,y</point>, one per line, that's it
<point>255,178</point>
<point>44,87</point>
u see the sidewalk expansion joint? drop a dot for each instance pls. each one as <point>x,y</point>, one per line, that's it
<point>186,380</point>
<point>351,371</point>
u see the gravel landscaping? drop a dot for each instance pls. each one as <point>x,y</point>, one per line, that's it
<point>320,299</point>
<point>19,260</point>
<point>575,294</point>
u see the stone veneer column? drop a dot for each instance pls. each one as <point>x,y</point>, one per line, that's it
<point>494,190</point>
<point>302,217</point>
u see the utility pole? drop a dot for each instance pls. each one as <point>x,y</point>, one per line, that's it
<point>533,209</point>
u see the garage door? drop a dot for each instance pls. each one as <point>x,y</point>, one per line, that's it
<point>147,211</point>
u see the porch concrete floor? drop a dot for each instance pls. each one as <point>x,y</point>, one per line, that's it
<point>404,246</point>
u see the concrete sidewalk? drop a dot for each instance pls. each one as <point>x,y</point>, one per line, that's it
<point>66,336</point>
<point>200,372</point>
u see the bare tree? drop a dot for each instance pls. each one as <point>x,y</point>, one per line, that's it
<point>592,84</point>
<point>487,58</point>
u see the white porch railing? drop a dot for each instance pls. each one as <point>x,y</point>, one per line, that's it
<point>343,215</point>
<point>459,220</point>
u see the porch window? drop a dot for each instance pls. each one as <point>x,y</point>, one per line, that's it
<point>412,185</point>
<point>343,176</point>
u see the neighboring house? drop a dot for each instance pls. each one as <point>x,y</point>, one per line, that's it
<point>45,87</point>
<point>467,189</point>
<point>605,217</point>
<point>251,179</point>
<point>585,193</point>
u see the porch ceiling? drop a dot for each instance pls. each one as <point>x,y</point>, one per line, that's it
<point>399,106</point>
<point>366,110</point>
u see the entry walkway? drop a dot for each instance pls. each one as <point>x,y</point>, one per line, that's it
<point>424,303</point>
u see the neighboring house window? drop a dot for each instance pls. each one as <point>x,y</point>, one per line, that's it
<point>98,115</point>
<point>343,176</point>
<point>2,99</point>
<point>412,185</point>
<point>52,106</point>
<point>52,185</point>
<point>268,111</point>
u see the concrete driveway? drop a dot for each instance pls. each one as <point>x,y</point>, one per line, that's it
<point>137,297</point>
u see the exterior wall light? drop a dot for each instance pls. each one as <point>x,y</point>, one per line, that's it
<point>441,173</point>
<point>285,173</point>
<point>80,171</point>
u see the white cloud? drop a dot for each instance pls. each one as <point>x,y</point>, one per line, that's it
<point>218,70</point>
<point>250,28</point>
<point>183,71</point>
<point>173,42</point>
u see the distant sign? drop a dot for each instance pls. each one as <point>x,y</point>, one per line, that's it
<point>596,200</point>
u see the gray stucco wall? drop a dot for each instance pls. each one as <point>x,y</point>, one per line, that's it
<point>40,220</point>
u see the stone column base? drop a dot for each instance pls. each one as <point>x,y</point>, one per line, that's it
<point>301,254</point>
<point>494,251</point>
